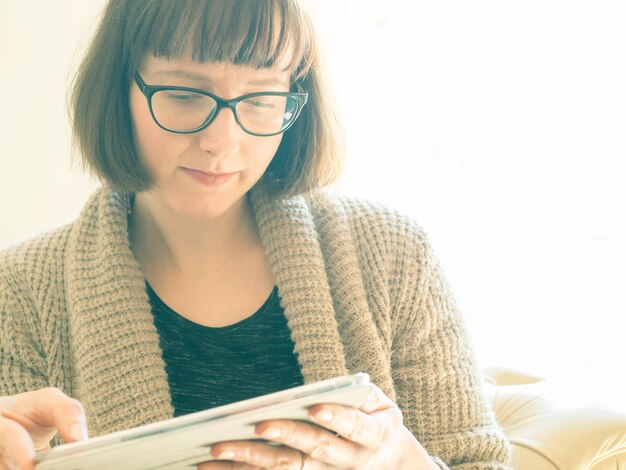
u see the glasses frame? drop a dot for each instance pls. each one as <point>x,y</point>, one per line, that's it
<point>148,91</point>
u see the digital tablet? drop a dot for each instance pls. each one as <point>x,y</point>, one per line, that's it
<point>183,442</point>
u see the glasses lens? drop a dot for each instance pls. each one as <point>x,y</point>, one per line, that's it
<point>267,114</point>
<point>180,110</point>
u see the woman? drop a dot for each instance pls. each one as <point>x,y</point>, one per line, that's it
<point>212,266</point>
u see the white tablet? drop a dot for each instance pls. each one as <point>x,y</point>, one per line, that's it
<point>183,442</point>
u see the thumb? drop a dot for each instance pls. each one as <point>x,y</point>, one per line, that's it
<point>64,413</point>
<point>72,426</point>
<point>43,410</point>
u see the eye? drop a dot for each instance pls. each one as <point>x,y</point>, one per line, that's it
<point>181,96</point>
<point>261,103</point>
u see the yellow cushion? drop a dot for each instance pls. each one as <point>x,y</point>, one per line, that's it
<point>550,431</point>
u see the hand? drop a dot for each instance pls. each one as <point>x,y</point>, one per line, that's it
<point>368,438</point>
<point>29,421</point>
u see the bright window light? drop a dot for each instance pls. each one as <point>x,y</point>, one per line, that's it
<point>498,126</point>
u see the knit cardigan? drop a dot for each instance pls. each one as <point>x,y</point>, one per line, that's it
<point>359,285</point>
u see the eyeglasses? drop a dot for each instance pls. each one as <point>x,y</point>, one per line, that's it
<point>187,110</point>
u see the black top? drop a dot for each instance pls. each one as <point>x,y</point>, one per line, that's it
<point>208,367</point>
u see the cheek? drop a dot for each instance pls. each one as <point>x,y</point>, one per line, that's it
<point>262,150</point>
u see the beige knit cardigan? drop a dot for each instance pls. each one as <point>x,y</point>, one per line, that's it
<point>358,283</point>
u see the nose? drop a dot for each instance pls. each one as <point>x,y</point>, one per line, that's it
<point>221,138</point>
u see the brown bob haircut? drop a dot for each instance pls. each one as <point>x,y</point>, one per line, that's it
<point>247,32</point>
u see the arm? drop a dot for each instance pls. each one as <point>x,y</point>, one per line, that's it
<point>439,387</point>
<point>30,412</point>
<point>22,364</point>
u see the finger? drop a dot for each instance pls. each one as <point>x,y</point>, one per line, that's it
<point>362,428</point>
<point>222,465</point>
<point>313,440</point>
<point>51,407</point>
<point>16,445</point>
<point>257,455</point>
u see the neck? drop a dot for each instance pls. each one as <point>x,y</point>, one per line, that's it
<point>166,240</point>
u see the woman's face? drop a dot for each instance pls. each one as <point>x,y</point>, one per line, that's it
<point>175,160</point>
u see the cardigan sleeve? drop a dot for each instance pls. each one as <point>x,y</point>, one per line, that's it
<point>438,384</point>
<point>22,363</point>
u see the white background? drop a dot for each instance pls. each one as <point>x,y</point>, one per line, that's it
<point>498,125</point>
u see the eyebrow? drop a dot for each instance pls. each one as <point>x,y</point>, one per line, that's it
<point>203,78</point>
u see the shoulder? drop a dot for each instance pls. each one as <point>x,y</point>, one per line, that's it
<point>37,264</point>
<point>389,246</point>
<point>367,218</point>
<point>30,280</point>
<point>392,251</point>
<point>33,262</point>
<point>34,252</point>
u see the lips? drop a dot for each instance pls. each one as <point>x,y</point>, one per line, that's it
<point>208,178</point>
<point>209,173</point>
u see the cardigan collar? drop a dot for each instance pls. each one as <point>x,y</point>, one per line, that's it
<point>120,372</point>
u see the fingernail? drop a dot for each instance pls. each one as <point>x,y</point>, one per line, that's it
<point>226,455</point>
<point>272,433</point>
<point>78,432</point>
<point>324,415</point>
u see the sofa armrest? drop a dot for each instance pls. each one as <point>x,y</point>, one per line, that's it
<point>550,432</point>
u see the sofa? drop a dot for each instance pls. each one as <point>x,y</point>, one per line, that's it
<point>550,432</point>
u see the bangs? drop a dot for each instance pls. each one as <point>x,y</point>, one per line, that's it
<point>256,33</point>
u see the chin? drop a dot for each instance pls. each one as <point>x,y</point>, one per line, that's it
<point>198,206</point>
